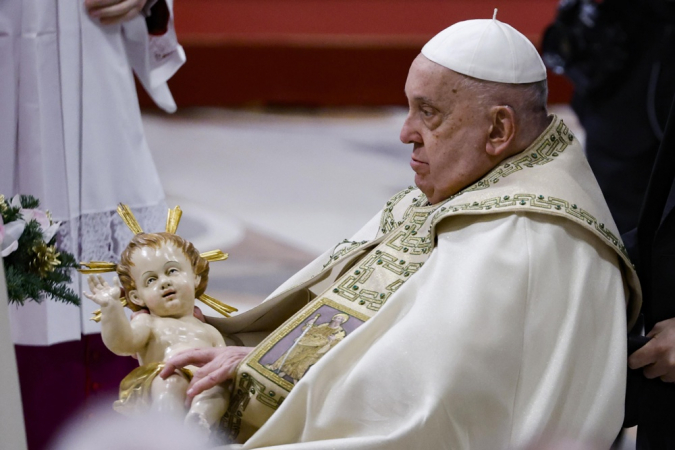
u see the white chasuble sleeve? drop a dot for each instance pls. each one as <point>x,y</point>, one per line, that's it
<point>366,233</point>
<point>512,334</point>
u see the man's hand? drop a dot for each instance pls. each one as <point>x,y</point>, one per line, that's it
<point>217,365</point>
<point>114,11</point>
<point>658,355</point>
<point>102,293</point>
<point>199,314</point>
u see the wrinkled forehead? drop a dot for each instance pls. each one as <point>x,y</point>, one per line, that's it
<point>430,81</point>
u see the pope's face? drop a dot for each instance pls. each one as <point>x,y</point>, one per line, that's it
<point>448,130</point>
<point>165,281</point>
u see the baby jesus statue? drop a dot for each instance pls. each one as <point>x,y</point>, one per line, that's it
<point>163,274</point>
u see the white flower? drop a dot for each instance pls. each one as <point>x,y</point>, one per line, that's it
<point>2,230</point>
<point>16,201</point>
<point>49,232</point>
<point>48,228</point>
<point>13,231</point>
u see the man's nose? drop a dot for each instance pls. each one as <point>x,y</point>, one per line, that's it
<point>408,134</point>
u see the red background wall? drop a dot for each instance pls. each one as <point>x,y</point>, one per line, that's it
<point>323,52</point>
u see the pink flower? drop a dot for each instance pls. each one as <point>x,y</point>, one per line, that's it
<point>37,215</point>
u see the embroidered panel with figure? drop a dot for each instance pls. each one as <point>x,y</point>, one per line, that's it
<point>287,359</point>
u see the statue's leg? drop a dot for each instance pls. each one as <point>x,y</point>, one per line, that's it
<point>168,396</point>
<point>208,407</point>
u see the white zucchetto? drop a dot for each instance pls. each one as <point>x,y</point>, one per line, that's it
<point>487,49</point>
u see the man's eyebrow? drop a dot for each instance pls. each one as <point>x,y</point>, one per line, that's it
<point>419,98</point>
<point>423,99</point>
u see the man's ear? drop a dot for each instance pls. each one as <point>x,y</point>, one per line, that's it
<point>502,132</point>
<point>135,299</point>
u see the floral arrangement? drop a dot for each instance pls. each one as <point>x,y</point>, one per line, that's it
<point>34,269</point>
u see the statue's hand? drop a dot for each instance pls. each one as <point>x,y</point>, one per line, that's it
<point>102,293</point>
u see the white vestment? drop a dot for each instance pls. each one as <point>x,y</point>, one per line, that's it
<point>71,134</point>
<point>511,335</point>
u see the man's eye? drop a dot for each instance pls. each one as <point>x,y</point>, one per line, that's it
<point>149,281</point>
<point>173,271</point>
<point>427,112</point>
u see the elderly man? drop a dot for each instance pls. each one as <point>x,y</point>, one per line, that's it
<point>486,307</point>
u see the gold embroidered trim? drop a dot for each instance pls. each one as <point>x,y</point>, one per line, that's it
<point>247,389</point>
<point>341,249</point>
<point>280,333</point>
<point>543,151</point>
<point>539,203</point>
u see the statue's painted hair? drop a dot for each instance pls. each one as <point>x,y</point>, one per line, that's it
<point>200,266</point>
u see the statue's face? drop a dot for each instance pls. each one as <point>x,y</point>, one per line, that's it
<point>448,129</point>
<point>165,281</point>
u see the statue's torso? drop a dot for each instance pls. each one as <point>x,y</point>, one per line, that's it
<point>171,336</point>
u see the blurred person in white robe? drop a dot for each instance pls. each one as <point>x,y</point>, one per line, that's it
<point>71,132</point>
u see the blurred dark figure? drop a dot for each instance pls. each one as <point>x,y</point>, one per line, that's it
<point>620,56</point>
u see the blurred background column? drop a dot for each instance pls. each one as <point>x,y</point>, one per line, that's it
<point>12,434</point>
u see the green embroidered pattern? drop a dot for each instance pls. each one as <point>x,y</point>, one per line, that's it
<point>351,287</point>
<point>541,152</point>
<point>360,293</point>
<point>342,249</point>
<point>387,222</point>
<point>247,389</point>
<point>537,202</point>
<point>408,240</point>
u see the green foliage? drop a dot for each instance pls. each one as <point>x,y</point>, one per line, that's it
<point>24,279</point>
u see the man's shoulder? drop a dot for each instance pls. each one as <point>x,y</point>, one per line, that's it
<point>518,225</point>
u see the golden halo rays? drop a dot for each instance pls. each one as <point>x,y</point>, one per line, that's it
<point>172,222</point>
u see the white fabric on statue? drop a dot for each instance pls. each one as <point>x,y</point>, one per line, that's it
<point>474,350</point>
<point>73,135</point>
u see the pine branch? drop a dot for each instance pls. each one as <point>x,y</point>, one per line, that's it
<point>29,202</point>
<point>10,214</point>
<point>29,278</point>
<point>61,293</point>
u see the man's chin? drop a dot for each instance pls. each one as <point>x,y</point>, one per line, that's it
<point>424,187</point>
